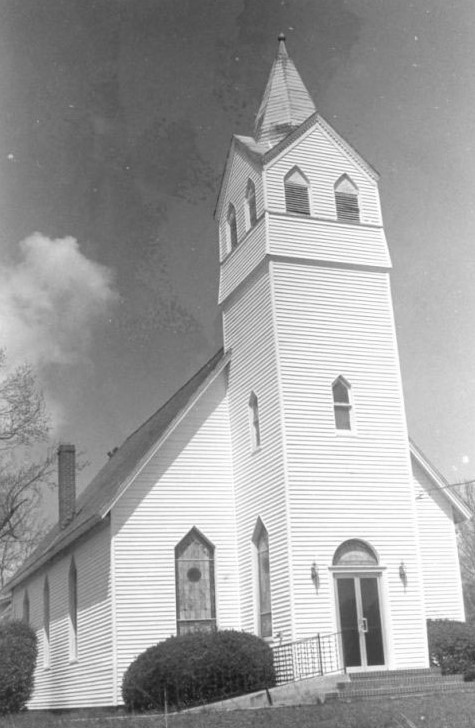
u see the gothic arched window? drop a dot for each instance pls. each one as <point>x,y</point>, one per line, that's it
<point>73,610</point>
<point>261,542</point>
<point>296,188</point>
<point>342,404</point>
<point>251,209</point>
<point>195,591</point>
<point>46,624</point>
<point>26,607</point>
<point>232,228</point>
<point>254,422</point>
<point>346,200</point>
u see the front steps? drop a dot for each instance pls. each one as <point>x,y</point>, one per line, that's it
<point>399,683</point>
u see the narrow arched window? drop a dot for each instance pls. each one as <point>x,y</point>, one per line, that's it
<point>46,624</point>
<point>346,200</point>
<point>254,422</point>
<point>261,542</point>
<point>26,607</point>
<point>297,193</point>
<point>251,209</point>
<point>232,228</point>
<point>195,589</point>
<point>73,611</point>
<point>342,404</point>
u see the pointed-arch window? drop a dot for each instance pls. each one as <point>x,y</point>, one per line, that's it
<point>346,200</point>
<point>297,198</point>
<point>251,208</point>
<point>342,404</point>
<point>232,228</point>
<point>195,588</point>
<point>254,422</point>
<point>26,607</point>
<point>261,542</point>
<point>73,610</point>
<point>46,624</point>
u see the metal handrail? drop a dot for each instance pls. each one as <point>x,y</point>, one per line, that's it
<point>308,657</point>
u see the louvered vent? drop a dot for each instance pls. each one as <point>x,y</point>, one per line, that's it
<point>347,208</point>
<point>296,198</point>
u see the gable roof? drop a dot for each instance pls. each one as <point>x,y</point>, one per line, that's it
<point>94,503</point>
<point>461,510</point>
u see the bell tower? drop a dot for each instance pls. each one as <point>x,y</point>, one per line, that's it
<point>307,312</point>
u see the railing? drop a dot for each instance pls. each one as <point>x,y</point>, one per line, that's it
<point>310,657</point>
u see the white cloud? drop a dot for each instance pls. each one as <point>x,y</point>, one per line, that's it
<point>465,459</point>
<point>50,300</point>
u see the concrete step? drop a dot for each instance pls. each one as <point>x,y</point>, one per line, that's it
<point>371,674</point>
<point>398,681</point>
<point>388,690</point>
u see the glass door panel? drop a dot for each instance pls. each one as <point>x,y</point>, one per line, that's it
<point>372,616</point>
<point>349,622</point>
<point>360,621</point>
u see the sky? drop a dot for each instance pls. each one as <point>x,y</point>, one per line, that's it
<point>115,121</point>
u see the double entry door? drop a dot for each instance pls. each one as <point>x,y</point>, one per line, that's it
<point>360,620</point>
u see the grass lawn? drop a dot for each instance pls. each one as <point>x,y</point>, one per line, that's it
<point>454,710</point>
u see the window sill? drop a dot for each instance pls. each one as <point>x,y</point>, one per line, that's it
<point>345,433</point>
<point>73,661</point>
<point>256,450</point>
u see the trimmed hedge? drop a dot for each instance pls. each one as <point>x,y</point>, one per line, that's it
<point>18,652</point>
<point>452,646</point>
<point>198,668</point>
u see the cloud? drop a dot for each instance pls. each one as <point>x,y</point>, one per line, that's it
<point>50,300</point>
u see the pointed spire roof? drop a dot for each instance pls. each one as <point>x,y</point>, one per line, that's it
<point>286,103</point>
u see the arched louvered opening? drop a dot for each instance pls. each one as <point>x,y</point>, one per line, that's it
<point>342,404</point>
<point>254,421</point>
<point>251,208</point>
<point>232,228</point>
<point>355,553</point>
<point>195,586</point>
<point>297,199</point>
<point>264,605</point>
<point>346,200</point>
<point>73,610</point>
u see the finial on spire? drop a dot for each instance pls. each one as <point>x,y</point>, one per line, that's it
<point>282,52</point>
<point>281,36</point>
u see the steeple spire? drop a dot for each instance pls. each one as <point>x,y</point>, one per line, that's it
<point>286,103</point>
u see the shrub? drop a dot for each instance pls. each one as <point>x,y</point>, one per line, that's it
<point>18,650</point>
<point>198,668</point>
<point>451,646</point>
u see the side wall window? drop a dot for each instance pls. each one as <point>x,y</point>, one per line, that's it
<point>46,624</point>
<point>195,589</point>
<point>346,200</point>
<point>254,422</point>
<point>26,608</point>
<point>251,209</point>
<point>261,542</point>
<point>342,404</point>
<point>296,188</point>
<point>232,228</point>
<point>73,611</point>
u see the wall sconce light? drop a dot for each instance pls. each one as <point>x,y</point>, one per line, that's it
<point>403,574</point>
<point>314,575</point>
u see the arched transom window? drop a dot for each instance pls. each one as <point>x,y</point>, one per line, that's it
<point>251,208</point>
<point>264,605</point>
<point>355,553</point>
<point>195,591</point>
<point>346,200</point>
<point>342,404</point>
<point>297,193</point>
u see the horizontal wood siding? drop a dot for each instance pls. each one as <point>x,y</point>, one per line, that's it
<point>339,243</point>
<point>323,162</point>
<point>240,171</point>
<point>440,564</point>
<point>260,474</point>
<point>347,485</point>
<point>89,681</point>
<point>243,260</point>
<point>187,483</point>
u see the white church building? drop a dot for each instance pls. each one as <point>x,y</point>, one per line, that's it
<point>277,491</point>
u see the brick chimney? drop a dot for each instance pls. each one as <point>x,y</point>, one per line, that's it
<point>66,483</point>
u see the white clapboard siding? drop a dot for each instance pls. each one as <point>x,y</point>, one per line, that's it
<point>239,170</point>
<point>323,162</point>
<point>243,260</point>
<point>88,682</point>
<point>438,543</point>
<point>333,322</point>
<point>259,475</point>
<point>187,483</point>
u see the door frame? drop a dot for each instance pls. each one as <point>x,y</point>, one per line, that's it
<point>356,572</point>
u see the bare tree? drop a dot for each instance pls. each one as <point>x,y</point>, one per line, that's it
<point>25,467</point>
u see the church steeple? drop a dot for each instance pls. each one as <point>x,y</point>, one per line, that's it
<point>286,103</point>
